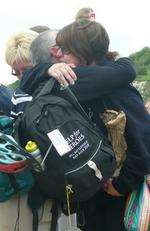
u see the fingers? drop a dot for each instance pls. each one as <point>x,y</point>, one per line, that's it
<point>71,65</point>
<point>63,73</point>
<point>69,74</point>
<point>60,78</point>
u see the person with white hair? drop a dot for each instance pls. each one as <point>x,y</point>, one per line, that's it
<point>39,49</point>
<point>17,51</point>
<point>35,50</point>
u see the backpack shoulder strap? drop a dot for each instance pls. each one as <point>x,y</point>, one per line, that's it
<point>47,88</point>
<point>74,101</point>
<point>55,215</point>
<point>36,199</point>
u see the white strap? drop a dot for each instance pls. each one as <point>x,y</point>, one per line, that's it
<point>93,166</point>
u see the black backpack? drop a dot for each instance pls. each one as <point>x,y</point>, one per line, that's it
<point>76,154</point>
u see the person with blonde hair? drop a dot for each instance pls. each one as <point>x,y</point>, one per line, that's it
<point>87,13</point>
<point>17,56</point>
<point>17,51</point>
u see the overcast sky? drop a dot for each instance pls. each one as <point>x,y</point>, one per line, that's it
<point>127,22</point>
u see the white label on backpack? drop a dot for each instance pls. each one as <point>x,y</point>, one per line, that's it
<point>93,166</point>
<point>59,142</point>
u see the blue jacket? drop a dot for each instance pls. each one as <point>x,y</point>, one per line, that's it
<point>5,99</point>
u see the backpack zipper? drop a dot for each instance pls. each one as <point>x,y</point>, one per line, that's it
<point>87,161</point>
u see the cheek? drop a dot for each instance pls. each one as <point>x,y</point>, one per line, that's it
<point>75,61</point>
<point>59,53</point>
<point>68,59</point>
<point>60,60</point>
<point>65,59</point>
<point>71,59</point>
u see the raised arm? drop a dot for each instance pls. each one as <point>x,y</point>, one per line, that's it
<point>101,80</point>
<point>96,80</point>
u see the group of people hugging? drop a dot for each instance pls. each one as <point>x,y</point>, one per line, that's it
<point>78,55</point>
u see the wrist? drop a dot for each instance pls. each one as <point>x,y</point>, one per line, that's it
<point>120,186</point>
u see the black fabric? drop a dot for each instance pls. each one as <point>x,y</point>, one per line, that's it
<point>102,213</point>
<point>99,82</point>
<point>137,134</point>
<point>13,182</point>
<point>94,84</point>
<point>88,146</point>
<point>55,213</point>
<point>19,101</point>
<point>35,220</point>
<point>35,200</point>
<point>36,77</point>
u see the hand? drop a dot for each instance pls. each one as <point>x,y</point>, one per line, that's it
<point>148,106</point>
<point>63,73</point>
<point>109,189</point>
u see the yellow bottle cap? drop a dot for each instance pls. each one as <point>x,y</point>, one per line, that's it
<point>31,146</point>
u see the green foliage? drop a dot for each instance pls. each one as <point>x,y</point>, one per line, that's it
<point>142,62</point>
<point>14,85</point>
<point>142,56</point>
<point>146,91</point>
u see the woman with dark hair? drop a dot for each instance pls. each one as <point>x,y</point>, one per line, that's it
<point>86,40</point>
<point>86,43</point>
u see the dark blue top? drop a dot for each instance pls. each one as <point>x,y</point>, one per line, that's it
<point>137,134</point>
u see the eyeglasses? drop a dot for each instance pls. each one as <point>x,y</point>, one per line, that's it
<point>19,72</point>
<point>64,50</point>
<point>15,72</point>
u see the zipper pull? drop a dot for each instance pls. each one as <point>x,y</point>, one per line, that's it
<point>90,113</point>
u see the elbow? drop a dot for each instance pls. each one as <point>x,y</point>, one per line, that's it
<point>131,70</point>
